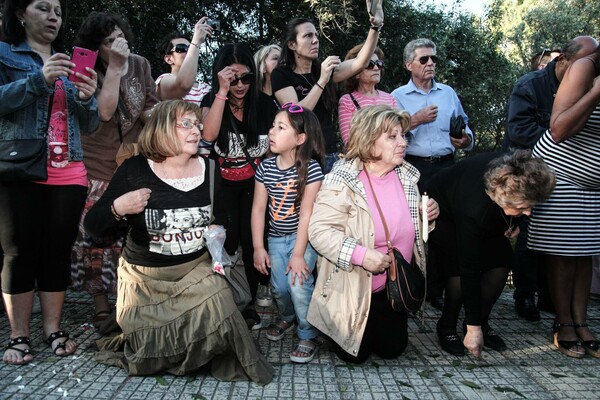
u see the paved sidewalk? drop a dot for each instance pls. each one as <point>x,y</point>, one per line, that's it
<point>531,368</point>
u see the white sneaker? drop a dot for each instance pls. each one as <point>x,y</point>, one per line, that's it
<point>264,297</point>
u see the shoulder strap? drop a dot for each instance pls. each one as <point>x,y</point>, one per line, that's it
<point>355,102</point>
<point>239,138</point>
<point>211,185</point>
<point>385,227</point>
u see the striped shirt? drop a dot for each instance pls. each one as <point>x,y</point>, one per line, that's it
<point>281,187</point>
<point>347,108</point>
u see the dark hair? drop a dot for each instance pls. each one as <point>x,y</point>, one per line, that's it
<point>288,59</point>
<point>312,148</point>
<point>166,45</point>
<point>97,27</point>
<point>12,30</point>
<point>228,54</point>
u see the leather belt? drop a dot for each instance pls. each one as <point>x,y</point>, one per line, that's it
<point>432,159</point>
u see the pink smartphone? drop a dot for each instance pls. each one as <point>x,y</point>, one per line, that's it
<point>82,58</point>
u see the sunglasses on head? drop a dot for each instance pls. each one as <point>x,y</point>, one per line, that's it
<point>246,79</point>
<point>292,108</point>
<point>544,52</point>
<point>423,60</point>
<point>373,63</point>
<point>180,48</point>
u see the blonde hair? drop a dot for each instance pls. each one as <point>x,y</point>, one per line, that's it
<point>516,178</point>
<point>158,139</point>
<point>368,124</point>
<point>259,59</point>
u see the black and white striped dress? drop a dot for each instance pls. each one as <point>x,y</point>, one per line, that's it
<point>568,224</point>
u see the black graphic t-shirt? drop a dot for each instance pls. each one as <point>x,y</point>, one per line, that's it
<point>283,77</point>
<point>170,230</point>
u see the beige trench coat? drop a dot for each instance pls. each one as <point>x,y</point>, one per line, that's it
<point>341,219</point>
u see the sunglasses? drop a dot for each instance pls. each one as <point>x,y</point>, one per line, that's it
<point>180,48</point>
<point>292,108</point>
<point>187,124</point>
<point>544,52</point>
<point>373,63</point>
<point>246,79</point>
<point>423,60</point>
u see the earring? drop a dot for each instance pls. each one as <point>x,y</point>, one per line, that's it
<point>23,23</point>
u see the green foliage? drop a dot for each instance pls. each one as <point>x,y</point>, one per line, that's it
<point>469,49</point>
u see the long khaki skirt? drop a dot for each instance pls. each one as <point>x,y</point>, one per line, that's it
<point>177,319</point>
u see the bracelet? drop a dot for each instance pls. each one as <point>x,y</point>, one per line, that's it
<point>195,45</point>
<point>114,212</point>
<point>218,96</point>
<point>377,28</point>
<point>319,86</point>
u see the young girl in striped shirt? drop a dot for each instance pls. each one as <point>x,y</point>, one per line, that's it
<point>289,183</point>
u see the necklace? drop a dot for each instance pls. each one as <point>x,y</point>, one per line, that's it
<point>307,81</point>
<point>177,174</point>
<point>235,108</point>
<point>511,227</point>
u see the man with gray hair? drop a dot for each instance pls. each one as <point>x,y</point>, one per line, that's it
<point>529,109</point>
<point>430,146</point>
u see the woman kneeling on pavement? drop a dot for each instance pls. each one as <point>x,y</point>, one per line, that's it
<point>176,314</point>
<point>349,303</point>
<point>482,200</point>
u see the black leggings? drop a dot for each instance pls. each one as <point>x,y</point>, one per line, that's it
<point>386,333</point>
<point>238,197</point>
<point>38,225</point>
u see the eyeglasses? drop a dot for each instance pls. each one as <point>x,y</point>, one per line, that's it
<point>292,108</point>
<point>187,124</point>
<point>373,63</point>
<point>246,79</point>
<point>423,60</point>
<point>180,48</point>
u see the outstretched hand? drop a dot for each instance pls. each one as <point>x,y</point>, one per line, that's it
<point>377,19</point>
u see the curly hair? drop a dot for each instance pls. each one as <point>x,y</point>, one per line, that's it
<point>97,27</point>
<point>517,177</point>
<point>368,124</point>
<point>166,44</point>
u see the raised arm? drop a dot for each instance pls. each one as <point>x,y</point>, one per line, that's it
<point>108,97</point>
<point>577,96</point>
<point>352,67</point>
<point>213,116</point>
<point>177,86</point>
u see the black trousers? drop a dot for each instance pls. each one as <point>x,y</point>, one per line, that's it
<point>238,197</point>
<point>38,225</point>
<point>386,333</point>
<point>435,275</point>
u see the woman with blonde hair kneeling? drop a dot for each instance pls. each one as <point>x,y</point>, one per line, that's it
<point>175,312</point>
<point>349,302</point>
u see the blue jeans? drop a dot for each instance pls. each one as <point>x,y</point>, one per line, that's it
<point>292,301</point>
<point>329,160</point>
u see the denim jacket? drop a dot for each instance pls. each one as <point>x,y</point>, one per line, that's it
<point>24,97</point>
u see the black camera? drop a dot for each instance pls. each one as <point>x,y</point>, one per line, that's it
<point>215,24</point>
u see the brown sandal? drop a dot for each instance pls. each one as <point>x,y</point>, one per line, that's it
<point>99,318</point>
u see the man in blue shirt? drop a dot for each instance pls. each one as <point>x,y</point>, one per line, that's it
<point>529,109</point>
<point>430,147</point>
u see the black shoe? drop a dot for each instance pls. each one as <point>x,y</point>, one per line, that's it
<point>526,309</point>
<point>452,344</point>
<point>492,340</point>
<point>545,304</point>
<point>252,319</point>
<point>437,302</point>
